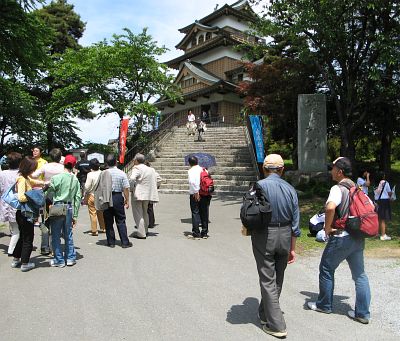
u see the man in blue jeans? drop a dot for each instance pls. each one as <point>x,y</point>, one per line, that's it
<point>342,246</point>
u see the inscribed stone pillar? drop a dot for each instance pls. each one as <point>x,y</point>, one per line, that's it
<point>312,141</point>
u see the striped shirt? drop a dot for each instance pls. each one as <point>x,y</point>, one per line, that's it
<point>119,179</point>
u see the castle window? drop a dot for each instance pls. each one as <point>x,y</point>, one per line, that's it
<point>194,41</point>
<point>201,39</point>
<point>208,35</point>
<point>240,77</point>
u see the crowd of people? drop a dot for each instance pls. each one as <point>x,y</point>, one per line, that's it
<point>62,185</point>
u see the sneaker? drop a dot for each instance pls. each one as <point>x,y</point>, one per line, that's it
<point>206,236</point>
<point>275,333</point>
<point>261,320</point>
<point>125,246</point>
<point>352,315</point>
<point>26,267</point>
<point>71,262</point>
<point>385,237</point>
<point>194,236</point>
<point>54,264</point>
<point>94,234</point>
<point>313,306</point>
<point>15,263</point>
<point>44,251</point>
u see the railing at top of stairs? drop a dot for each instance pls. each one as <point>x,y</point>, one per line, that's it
<point>154,137</point>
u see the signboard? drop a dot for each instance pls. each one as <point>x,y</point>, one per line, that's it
<point>257,128</point>
<point>98,156</point>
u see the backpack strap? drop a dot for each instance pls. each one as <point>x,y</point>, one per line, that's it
<point>343,208</point>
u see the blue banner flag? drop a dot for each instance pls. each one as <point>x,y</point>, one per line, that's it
<point>256,127</point>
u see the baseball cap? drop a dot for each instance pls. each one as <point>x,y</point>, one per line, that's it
<point>70,159</point>
<point>273,161</point>
<point>342,163</point>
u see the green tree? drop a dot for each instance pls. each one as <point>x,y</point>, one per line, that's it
<point>23,40</point>
<point>274,86</point>
<point>120,76</point>
<point>66,29</point>
<point>352,43</point>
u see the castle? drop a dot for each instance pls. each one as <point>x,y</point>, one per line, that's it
<point>211,67</point>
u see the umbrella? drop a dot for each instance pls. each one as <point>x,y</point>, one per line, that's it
<point>205,160</point>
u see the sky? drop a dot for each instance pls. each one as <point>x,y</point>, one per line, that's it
<point>162,18</point>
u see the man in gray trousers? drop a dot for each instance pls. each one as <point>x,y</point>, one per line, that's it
<point>274,247</point>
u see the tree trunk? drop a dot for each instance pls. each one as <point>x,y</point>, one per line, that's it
<point>49,134</point>
<point>386,140</point>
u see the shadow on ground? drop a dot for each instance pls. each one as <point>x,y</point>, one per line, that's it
<point>244,313</point>
<point>339,307</point>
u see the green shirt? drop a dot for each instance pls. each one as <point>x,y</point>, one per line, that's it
<point>60,186</point>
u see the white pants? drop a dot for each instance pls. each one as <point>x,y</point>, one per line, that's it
<point>14,230</point>
<point>139,210</point>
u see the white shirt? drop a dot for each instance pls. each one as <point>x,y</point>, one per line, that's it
<point>385,192</point>
<point>91,181</point>
<point>335,196</point>
<point>48,170</point>
<point>194,179</point>
<point>191,118</point>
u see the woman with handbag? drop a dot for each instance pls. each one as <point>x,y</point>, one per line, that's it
<point>382,197</point>
<point>8,213</point>
<point>24,247</point>
<point>64,212</point>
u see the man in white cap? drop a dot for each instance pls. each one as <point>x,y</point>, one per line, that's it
<point>274,246</point>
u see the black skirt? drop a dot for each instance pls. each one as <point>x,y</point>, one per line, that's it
<point>384,210</point>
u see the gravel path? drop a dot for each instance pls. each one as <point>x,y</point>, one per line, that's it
<point>170,288</point>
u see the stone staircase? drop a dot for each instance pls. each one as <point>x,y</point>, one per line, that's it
<point>234,169</point>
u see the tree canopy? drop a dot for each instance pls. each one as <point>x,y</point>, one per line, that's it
<point>120,76</point>
<point>355,46</point>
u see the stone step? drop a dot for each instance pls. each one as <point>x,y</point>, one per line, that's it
<point>216,177</point>
<point>172,163</point>
<point>221,182</point>
<point>210,147</point>
<point>214,170</point>
<point>218,188</point>
<point>216,194</point>
<point>217,154</point>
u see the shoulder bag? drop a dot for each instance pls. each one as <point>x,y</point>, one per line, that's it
<point>10,197</point>
<point>60,210</point>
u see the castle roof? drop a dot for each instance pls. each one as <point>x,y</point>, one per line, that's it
<point>224,38</point>
<point>195,27</point>
<point>240,9</point>
<point>216,84</point>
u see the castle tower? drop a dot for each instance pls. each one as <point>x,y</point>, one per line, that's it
<point>211,66</point>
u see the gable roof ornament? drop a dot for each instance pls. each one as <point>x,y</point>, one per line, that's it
<point>240,9</point>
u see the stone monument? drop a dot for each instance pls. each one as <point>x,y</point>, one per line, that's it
<point>312,140</point>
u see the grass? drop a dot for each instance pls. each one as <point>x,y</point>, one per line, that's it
<point>374,246</point>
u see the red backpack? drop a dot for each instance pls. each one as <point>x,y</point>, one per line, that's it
<point>356,213</point>
<point>206,184</point>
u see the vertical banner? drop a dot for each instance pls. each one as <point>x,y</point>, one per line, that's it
<point>257,128</point>
<point>123,131</point>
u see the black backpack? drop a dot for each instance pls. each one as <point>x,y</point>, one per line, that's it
<point>255,212</point>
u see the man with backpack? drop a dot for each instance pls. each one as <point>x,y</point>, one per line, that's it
<point>342,245</point>
<point>200,198</point>
<point>274,244</point>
